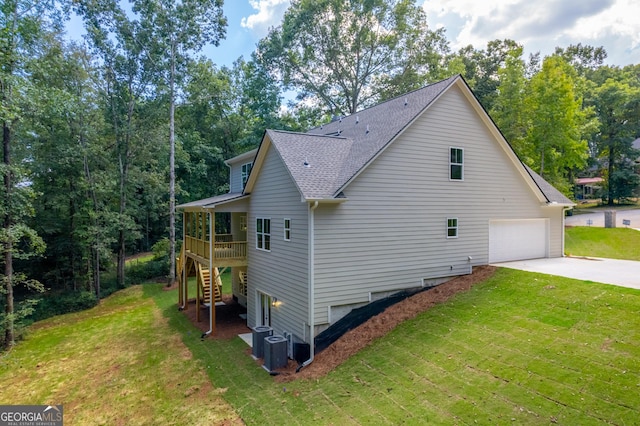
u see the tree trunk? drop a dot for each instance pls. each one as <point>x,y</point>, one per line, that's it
<point>8,244</point>
<point>172,171</point>
<point>612,156</point>
<point>121,233</point>
<point>95,251</point>
<point>72,233</point>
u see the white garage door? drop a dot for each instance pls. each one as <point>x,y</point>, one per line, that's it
<point>518,239</point>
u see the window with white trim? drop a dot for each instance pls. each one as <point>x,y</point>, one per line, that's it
<point>263,234</point>
<point>246,169</point>
<point>452,227</point>
<point>456,164</point>
<point>287,229</point>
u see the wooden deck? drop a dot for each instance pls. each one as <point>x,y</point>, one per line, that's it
<point>225,253</point>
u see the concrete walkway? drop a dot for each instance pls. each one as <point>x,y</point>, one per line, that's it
<point>625,273</point>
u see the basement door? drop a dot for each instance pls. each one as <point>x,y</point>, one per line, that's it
<point>264,309</point>
<point>518,239</point>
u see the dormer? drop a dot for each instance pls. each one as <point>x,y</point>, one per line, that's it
<point>239,169</point>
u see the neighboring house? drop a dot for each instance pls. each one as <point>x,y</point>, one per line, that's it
<point>401,195</point>
<point>588,187</point>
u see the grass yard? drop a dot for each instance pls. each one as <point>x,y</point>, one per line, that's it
<point>118,363</point>
<point>520,348</point>
<point>613,243</point>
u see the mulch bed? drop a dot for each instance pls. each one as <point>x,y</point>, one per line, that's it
<point>229,324</point>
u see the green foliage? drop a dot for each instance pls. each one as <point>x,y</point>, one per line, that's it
<point>138,273</point>
<point>556,120</point>
<point>354,54</point>
<point>20,319</point>
<point>481,68</point>
<point>225,114</point>
<point>508,109</point>
<point>160,249</point>
<point>615,97</point>
<point>59,303</point>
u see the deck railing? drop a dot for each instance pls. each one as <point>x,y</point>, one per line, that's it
<point>224,238</point>
<point>231,250</point>
<point>222,249</point>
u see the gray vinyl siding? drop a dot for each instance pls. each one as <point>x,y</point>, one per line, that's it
<point>556,230</point>
<point>235,178</point>
<point>283,272</point>
<point>391,233</point>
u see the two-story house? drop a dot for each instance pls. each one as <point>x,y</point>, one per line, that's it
<point>401,195</point>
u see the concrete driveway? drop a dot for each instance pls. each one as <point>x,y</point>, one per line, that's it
<point>625,273</point>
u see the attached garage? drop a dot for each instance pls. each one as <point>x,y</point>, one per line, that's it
<point>518,239</point>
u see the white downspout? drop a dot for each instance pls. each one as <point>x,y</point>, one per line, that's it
<point>311,283</point>
<point>212,278</point>
<point>564,210</point>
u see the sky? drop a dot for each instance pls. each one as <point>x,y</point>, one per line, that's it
<point>539,25</point>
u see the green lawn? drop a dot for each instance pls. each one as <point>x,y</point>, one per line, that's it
<point>118,363</point>
<point>520,348</point>
<point>614,243</point>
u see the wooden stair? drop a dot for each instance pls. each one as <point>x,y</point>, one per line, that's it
<point>205,283</point>
<point>243,283</point>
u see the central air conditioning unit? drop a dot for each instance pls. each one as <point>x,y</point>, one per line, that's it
<point>258,335</point>
<point>275,352</point>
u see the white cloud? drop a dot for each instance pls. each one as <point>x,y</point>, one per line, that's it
<point>543,25</point>
<point>268,14</point>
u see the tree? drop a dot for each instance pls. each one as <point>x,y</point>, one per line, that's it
<point>480,68</point>
<point>347,55</point>
<point>616,99</point>
<point>130,114</point>
<point>225,113</point>
<point>583,58</point>
<point>508,106</point>
<point>556,118</point>
<point>173,30</point>
<point>21,22</point>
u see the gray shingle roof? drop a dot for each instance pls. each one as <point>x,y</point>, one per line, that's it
<point>315,162</point>
<point>324,160</point>
<point>337,151</point>
<point>212,201</point>
<point>551,193</point>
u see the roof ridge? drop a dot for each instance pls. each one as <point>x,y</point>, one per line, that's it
<point>380,104</point>
<point>292,132</point>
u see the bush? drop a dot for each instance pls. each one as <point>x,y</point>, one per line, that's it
<point>160,249</point>
<point>58,303</point>
<point>138,273</point>
<point>23,309</point>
